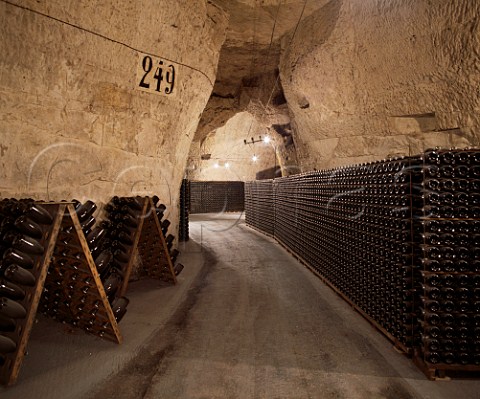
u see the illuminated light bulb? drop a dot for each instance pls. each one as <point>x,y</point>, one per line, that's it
<point>227,165</point>
<point>254,158</point>
<point>215,165</point>
<point>266,139</point>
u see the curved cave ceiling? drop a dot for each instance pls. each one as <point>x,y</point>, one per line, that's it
<point>247,75</point>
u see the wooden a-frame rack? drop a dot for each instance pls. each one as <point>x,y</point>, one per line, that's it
<point>152,248</point>
<point>68,288</point>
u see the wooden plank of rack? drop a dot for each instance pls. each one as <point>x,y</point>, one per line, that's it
<point>441,371</point>
<point>96,277</point>
<point>148,218</point>
<point>163,244</point>
<point>74,306</point>
<point>9,372</point>
<point>136,239</point>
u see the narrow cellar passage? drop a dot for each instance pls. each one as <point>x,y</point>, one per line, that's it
<point>257,324</point>
<point>347,130</point>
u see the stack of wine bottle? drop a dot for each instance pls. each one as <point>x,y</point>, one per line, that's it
<point>24,227</point>
<point>449,280</point>
<point>183,232</point>
<point>353,225</point>
<point>76,254</point>
<point>150,248</point>
<point>398,238</point>
<point>124,214</point>
<point>216,196</point>
<point>259,205</point>
<point>123,218</point>
<point>69,292</point>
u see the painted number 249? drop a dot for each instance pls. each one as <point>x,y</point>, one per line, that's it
<point>163,75</point>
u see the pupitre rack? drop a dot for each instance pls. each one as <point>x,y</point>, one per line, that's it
<point>152,248</point>
<point>68,288</point>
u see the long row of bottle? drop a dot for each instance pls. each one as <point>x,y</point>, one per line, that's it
<point>216,196</point>
<point>68,292</point>
<point>448,278</point>
<point>259,210</point>
<point>364,247</point>
<point>399,238</point>
<point>183,224</point>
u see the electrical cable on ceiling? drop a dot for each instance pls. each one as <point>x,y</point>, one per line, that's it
<point>289,44</point>
<point>106,38</point>
<point>272,36</point>
<point>253,62</point>
<point>268,53</point>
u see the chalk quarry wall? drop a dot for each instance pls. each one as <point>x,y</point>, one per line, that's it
<point>73,123</point>
<point>369,79</point>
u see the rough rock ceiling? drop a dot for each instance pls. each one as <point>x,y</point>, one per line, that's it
<point>247,69</point>
<point>245,51</point>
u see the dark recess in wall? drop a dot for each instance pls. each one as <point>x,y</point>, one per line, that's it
<point>279,99</point>
<point>269,173</point>
<point>283,130</point>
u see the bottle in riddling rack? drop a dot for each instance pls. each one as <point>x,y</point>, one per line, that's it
<point>19,275</point>
<point>11,291</point>
<point>12,309</point>
<point>7,324</point>
<point>7,345</point>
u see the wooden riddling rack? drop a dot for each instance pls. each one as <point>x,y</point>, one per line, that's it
<point>357,228</point>
<point>152,248</point>
<point>68,288</point>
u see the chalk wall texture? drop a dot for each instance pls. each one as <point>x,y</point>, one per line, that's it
<point>369,79</point>
<point>73,123</point>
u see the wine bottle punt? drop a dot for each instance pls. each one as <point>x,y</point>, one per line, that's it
<point>177,269</point>
<point>111,285</point>
<point>119,307</point>
<point>103,261</point>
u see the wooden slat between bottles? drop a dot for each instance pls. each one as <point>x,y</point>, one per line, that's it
<point>13,361</point>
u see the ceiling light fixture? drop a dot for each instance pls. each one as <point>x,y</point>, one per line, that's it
<point>227,165</point>
<point>215,165</point>
<point>254,158</point>
<point>253,141</point>
<point>266,140</point>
